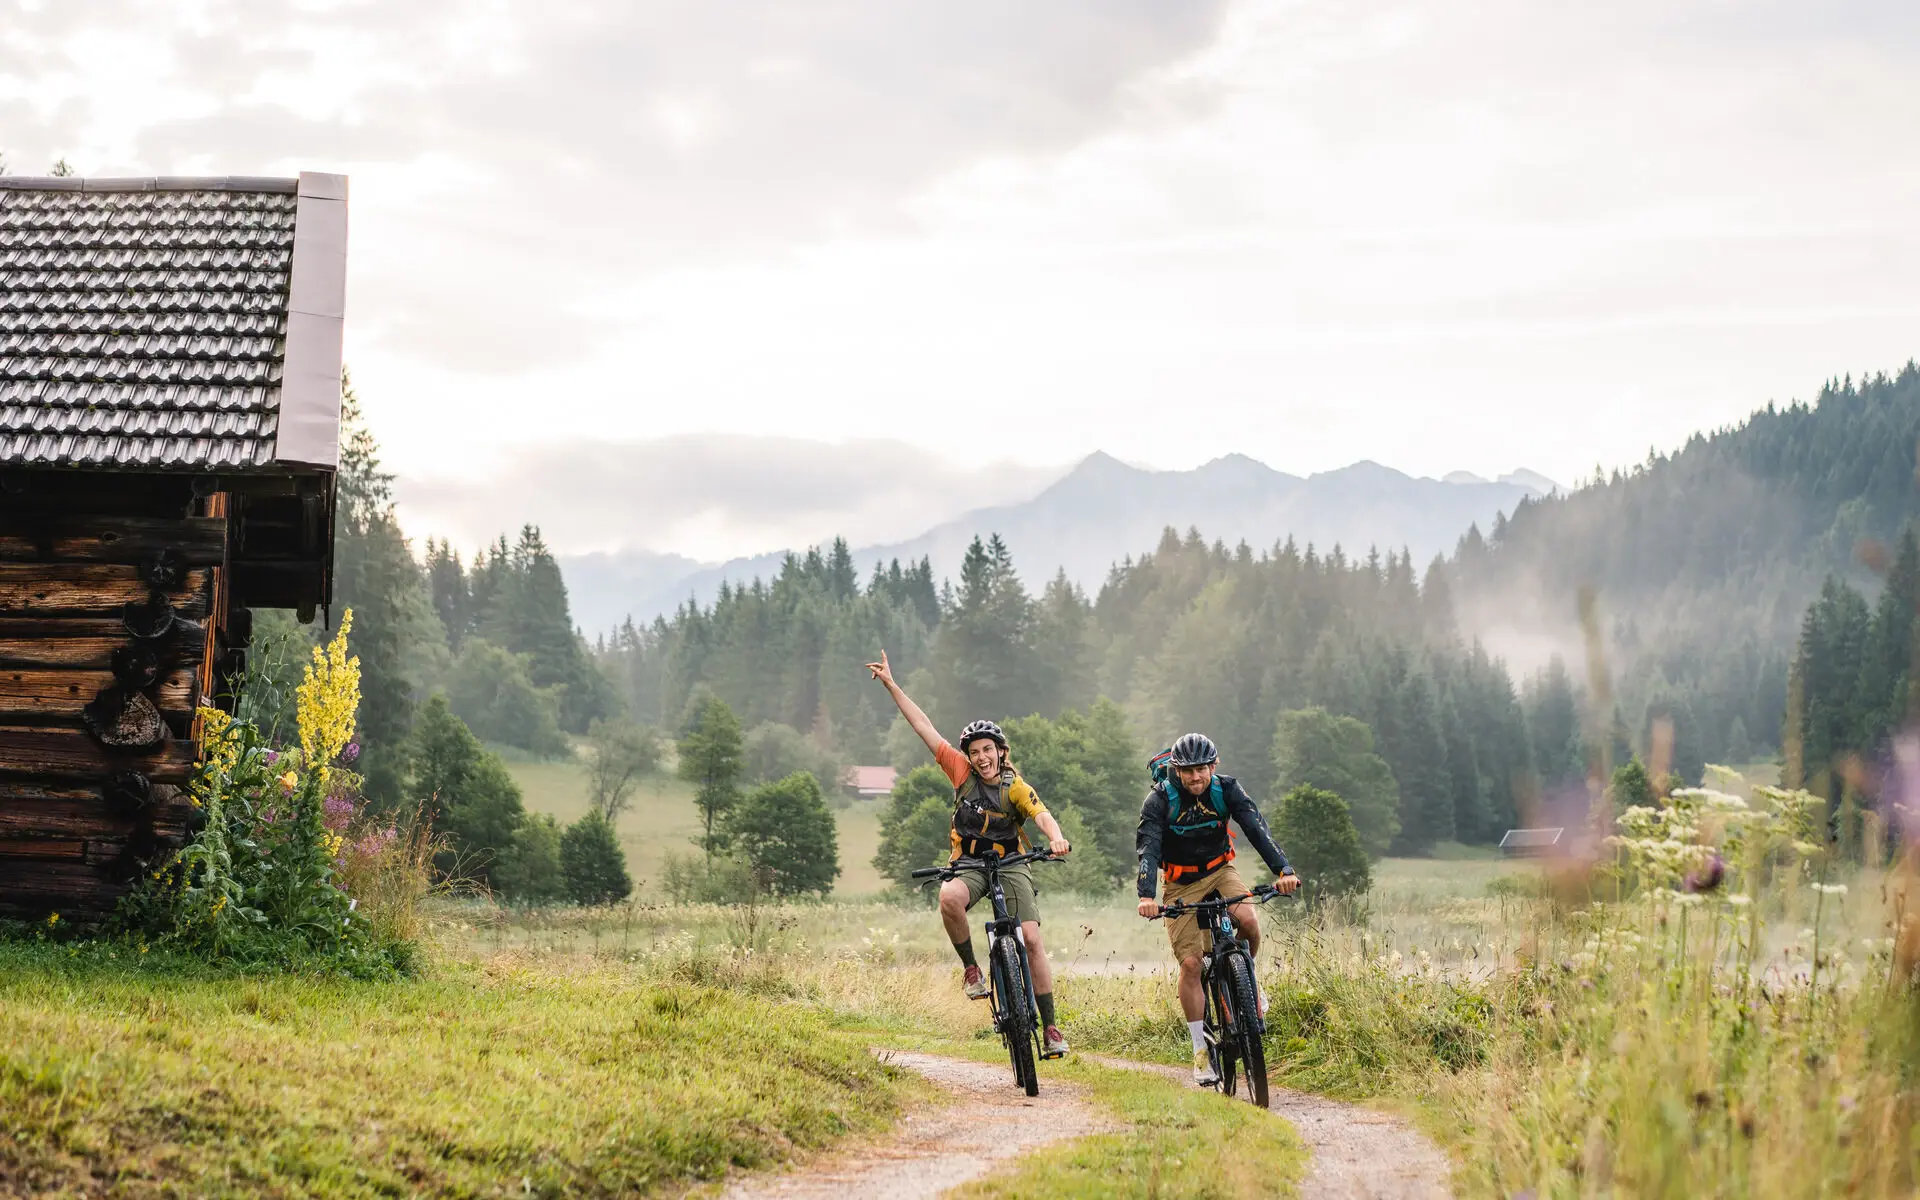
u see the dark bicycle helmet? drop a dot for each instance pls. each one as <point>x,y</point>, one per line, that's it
<point>1194,750</point>
<point>982,729</point>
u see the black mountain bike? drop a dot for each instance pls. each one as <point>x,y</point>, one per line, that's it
<point>1012,1001</point>
<point>1234,1024</point>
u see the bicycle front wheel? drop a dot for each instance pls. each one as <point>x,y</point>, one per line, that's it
<point>1016,1015</point>
<point>1245,1031</point>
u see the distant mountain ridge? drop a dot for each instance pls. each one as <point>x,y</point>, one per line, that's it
<point>1104,511</point>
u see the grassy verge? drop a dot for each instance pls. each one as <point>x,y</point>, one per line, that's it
<point>1177,1142</point>
<point>146,1076</point>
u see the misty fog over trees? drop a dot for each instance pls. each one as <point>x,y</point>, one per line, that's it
<point>1701,563</point>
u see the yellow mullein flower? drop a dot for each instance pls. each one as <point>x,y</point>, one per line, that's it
<point>223,752</point>
<point>329,697</point>
<point>288,782</point>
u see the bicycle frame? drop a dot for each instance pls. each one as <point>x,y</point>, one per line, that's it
<point>1003,925</point>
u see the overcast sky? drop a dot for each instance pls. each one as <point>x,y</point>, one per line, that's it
<point>1468,234</point>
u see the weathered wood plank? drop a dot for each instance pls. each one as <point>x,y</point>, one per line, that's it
<point>27,697</point>
<point>34,886</point>
<point>16,793</point>
<point>198,541</point>
<point>42,848</point>
<point>31,811</point>
<point>50,589</point>
<point>88,819</point>
<point>51,754</point>
<point>82,642</point>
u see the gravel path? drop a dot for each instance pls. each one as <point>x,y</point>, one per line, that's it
<point>929,1152</point>
<point>1358,1153</point>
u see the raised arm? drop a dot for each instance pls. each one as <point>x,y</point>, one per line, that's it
<point>908,709</point>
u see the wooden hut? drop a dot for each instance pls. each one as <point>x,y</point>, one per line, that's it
<point>170,354</point>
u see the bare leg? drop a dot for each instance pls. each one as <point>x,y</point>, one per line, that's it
<point>1192,1001</point>
<point>1248,923</point>
<point>1037,958</point>
<point>953,910</point>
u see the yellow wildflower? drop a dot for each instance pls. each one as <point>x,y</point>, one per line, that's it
<point>222,750</point>
<point>52,920</point>
<point>288,782</point>
<point>329,697</point>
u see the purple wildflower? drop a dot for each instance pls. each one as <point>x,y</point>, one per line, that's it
<point>336,811</point>
<point>1708,877</point>
<point>352,752</point>
<point>273,756</point>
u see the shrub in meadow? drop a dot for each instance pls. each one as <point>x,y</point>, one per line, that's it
<point>592,863</point>
<point>785,830</point>
<point>1316,830</point>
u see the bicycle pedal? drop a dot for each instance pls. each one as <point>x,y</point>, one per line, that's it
<point>1050,1055</point>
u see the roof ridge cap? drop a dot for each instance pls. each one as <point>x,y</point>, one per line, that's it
<point>149,183</point>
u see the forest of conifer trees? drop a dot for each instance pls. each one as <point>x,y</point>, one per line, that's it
<point>1190,635</point>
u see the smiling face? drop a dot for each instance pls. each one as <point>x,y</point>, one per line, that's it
<point>984,754</point>
<point>1195,779</point>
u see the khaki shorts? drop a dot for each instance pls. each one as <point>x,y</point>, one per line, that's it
<point>1188,938</point>
<point>1016,883</point>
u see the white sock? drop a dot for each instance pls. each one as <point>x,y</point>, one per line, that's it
<point>1197,1030</point>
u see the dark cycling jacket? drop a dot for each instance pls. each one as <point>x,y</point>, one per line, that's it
<point>1204,839</point>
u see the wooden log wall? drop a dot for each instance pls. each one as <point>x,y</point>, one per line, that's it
<point>108,624</point>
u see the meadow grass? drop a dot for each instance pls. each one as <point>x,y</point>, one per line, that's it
<point>141,1075</point>
<point>664,821</point>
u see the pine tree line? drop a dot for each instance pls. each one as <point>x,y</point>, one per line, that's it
<point>1703,560</point>
<point>1188,636</point>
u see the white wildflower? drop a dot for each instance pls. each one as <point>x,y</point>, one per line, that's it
<point>1831,889</point>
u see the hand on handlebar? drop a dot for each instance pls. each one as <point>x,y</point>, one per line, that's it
<point>1149,908</point>
<point>1059,846</point>
<point>1287,884</point>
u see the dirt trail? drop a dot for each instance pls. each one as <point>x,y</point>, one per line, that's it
<point>1358,1153</point>
<point>929,1152</point>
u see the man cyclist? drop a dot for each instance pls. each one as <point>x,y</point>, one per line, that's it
<point>991,807</point>
<point>1183,837</point>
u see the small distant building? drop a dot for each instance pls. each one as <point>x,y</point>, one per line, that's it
<point>1533,843</point>
<point>170,354</point>
<point>869,782</point>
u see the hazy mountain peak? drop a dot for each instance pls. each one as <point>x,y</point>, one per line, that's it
<point>1463,477</point>
<point>1532,480</point>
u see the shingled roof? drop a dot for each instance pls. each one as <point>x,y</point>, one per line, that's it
<point>172,324</point>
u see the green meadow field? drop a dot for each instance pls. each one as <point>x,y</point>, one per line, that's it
<point>663,821</point>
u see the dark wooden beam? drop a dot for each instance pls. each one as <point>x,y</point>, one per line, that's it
<point>35,886</point>
<point>80,642</point>
<point>30,696</point>
<point>53,589</point>
<point>196,541</point>
<point>70,754</point>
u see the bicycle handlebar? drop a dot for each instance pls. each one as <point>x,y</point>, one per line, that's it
<point>973,864</point>
<point>1180,908</point>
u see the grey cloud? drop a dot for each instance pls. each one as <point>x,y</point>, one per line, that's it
<point>801,119</point>
<point>713,496</point>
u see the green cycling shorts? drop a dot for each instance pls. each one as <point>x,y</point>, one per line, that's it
<point>1016,883</point>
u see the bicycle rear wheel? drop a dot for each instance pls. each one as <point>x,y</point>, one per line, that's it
<point>1249,1047</point>
<point>1016,1016</point>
